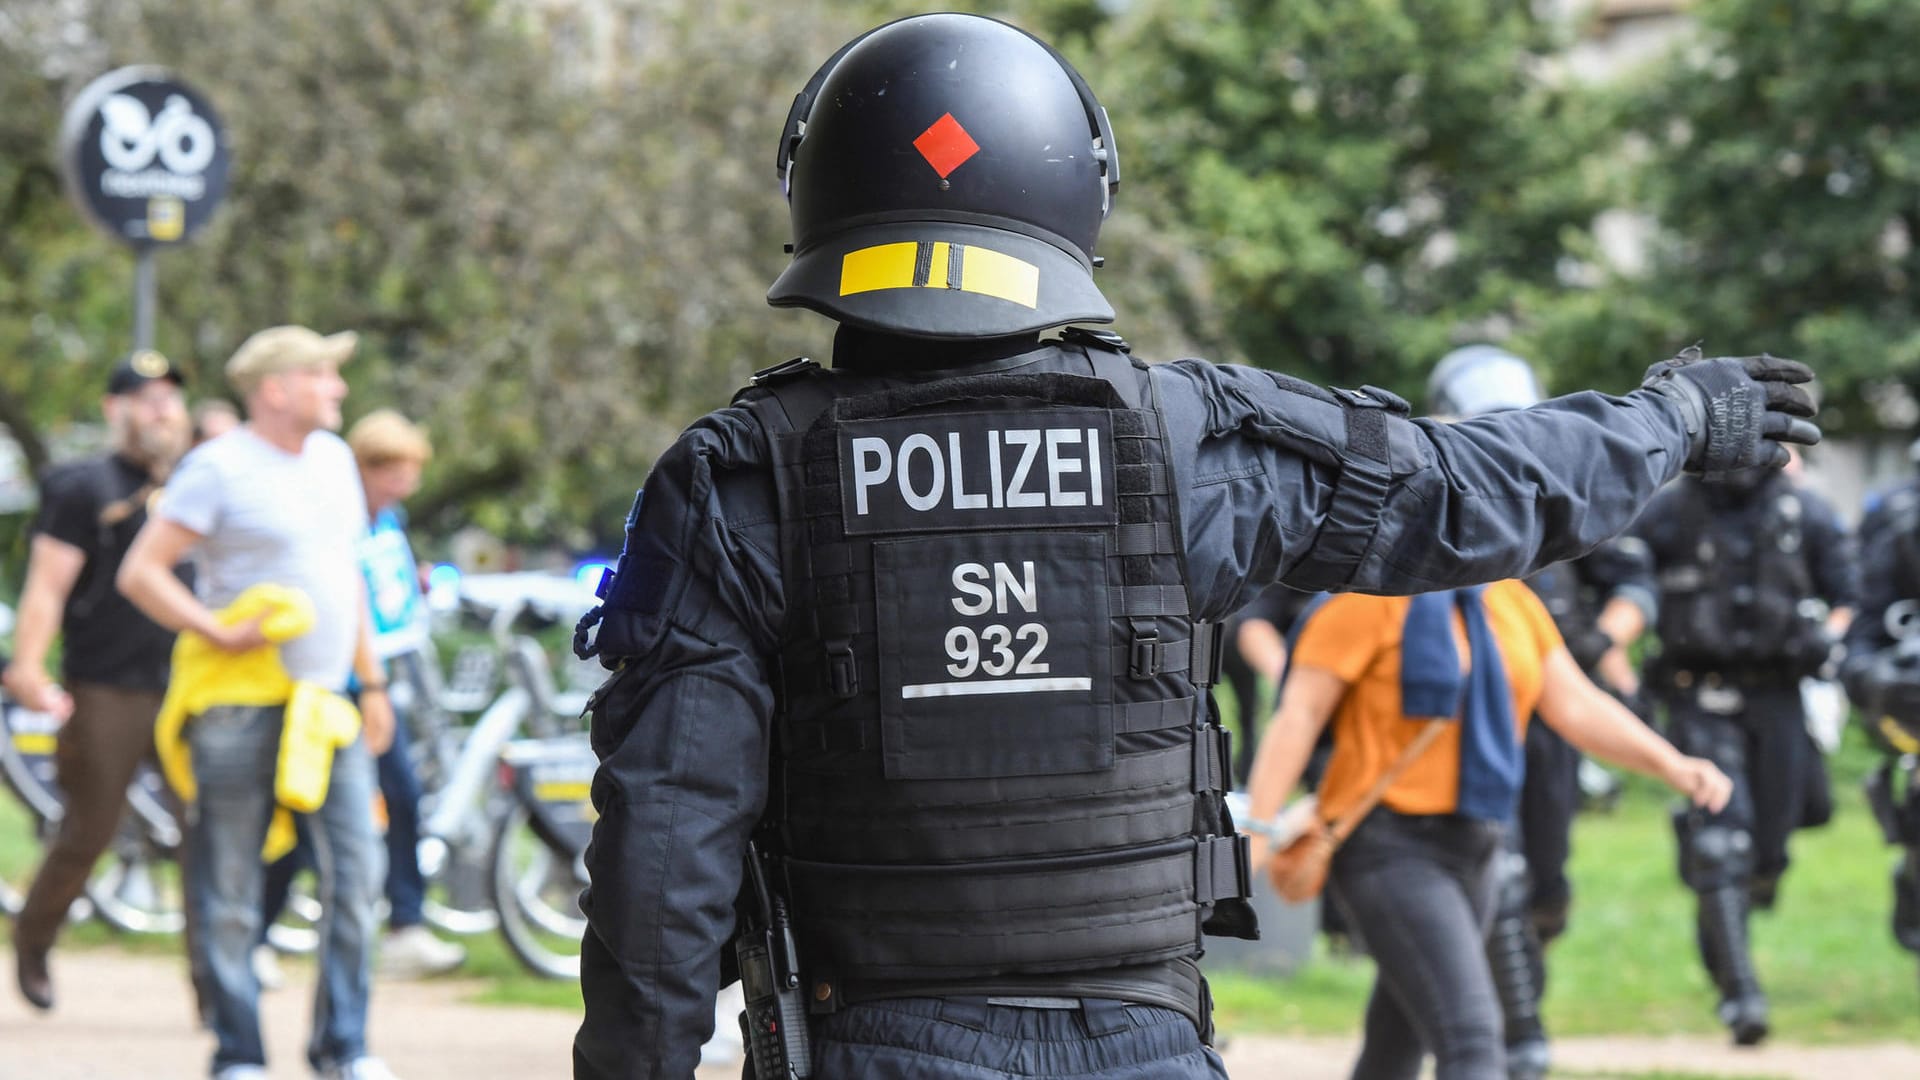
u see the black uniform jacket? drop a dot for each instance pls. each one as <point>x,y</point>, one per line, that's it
<point>683,775</point>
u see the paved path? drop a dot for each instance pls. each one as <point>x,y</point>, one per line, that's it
<point>124,1016</point>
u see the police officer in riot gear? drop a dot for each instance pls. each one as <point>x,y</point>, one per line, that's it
<point>1882,676</point>
<point>1599,602</point>
<point>934,626</point>
<point>1757,578</point>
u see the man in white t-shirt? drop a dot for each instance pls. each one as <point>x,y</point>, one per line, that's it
<point>277,500</point>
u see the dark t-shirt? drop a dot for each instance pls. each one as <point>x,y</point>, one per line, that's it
<point>97,505</point>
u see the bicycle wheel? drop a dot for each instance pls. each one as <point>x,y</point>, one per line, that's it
<point>459,900</point>
<point>135,888</point>
<point>27,769</point>
<point>537,891</point>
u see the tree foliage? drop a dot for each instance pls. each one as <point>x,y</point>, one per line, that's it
<point>1341,189</point>
<point>553,224</point>
<point>1782,163</point>
<point>551,228</point>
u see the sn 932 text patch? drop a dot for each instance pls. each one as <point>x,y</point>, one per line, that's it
<point>964,471</point>
<point>988,642</point>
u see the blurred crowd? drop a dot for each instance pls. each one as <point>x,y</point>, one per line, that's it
<point>277,551</point>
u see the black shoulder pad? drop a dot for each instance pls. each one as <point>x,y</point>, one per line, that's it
<point>1086,335</point>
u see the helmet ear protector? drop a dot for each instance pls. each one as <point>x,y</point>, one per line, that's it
<point>1098,126</point>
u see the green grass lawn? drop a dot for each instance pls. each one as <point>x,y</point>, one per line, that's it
<point>1628,962</point>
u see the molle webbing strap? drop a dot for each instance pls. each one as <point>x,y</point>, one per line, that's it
<point>1222,868</point>
<point>983,919</point>
<point>1147,538</point>
<point>1137,716</point>
<point>1212,758</point>
<point>1055,388</point>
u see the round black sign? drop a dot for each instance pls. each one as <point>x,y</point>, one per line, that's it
<point>144,156</point>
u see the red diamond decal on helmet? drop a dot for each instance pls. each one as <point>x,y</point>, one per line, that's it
<point>946,145</point>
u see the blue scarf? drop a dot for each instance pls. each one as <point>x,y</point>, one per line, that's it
<point>1491,766</point>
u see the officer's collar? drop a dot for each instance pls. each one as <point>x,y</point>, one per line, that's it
<point>869,352</point>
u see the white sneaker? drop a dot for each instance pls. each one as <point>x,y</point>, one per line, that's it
<point>360,1068</point>
<point>241,1072</point>
<point>414,953</point>
<point>266,968</point>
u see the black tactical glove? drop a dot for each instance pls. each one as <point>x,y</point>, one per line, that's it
<point>1739,409</point>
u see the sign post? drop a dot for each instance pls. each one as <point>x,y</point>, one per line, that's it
<point>146,161</point>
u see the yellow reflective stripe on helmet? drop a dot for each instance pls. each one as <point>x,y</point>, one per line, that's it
<point>929,265</point>
<point>887,266</point>
<point>993,274</point>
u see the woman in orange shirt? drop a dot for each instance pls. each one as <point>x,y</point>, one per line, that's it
<point>1415,880</point>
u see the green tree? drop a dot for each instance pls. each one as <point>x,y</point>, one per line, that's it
<point>1341,189</point>
<point>1779,152</point>
<point>552,226</point>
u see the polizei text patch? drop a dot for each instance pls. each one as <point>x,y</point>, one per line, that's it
<point>968,471</point>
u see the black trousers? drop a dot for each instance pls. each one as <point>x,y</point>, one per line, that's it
<point>1757,735</point>
<point>1420,892</point>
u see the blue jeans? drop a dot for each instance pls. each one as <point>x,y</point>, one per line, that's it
<point>406,889</point>
<point>234,751</point>
<point>973,1039</point>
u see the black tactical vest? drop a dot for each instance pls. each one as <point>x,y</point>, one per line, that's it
<point>993,753</point>
<point>1731,590</point>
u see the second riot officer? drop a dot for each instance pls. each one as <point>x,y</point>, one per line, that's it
<point>933,627</point>
<point>1883,679</point>
<point>1600,602</point>
<point>1757,579</point>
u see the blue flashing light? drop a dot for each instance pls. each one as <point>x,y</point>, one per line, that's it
<point>588,574</point>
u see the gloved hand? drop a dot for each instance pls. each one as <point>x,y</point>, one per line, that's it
<point>1738,409</point>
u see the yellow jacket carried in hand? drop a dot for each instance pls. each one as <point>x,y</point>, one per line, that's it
<point>317,721</point>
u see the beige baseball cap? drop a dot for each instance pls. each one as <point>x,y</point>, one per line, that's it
<point>286,348</point>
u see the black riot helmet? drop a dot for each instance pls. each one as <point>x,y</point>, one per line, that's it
<point>1478,379</point>
<point>947,176</point>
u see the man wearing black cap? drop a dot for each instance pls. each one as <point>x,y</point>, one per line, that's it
<point>114,665</point>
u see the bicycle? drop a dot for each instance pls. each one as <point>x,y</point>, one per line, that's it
<point>474,848</point>
<point>539,851</point>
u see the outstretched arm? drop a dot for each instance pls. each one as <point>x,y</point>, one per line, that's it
<point>1341,491</point>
